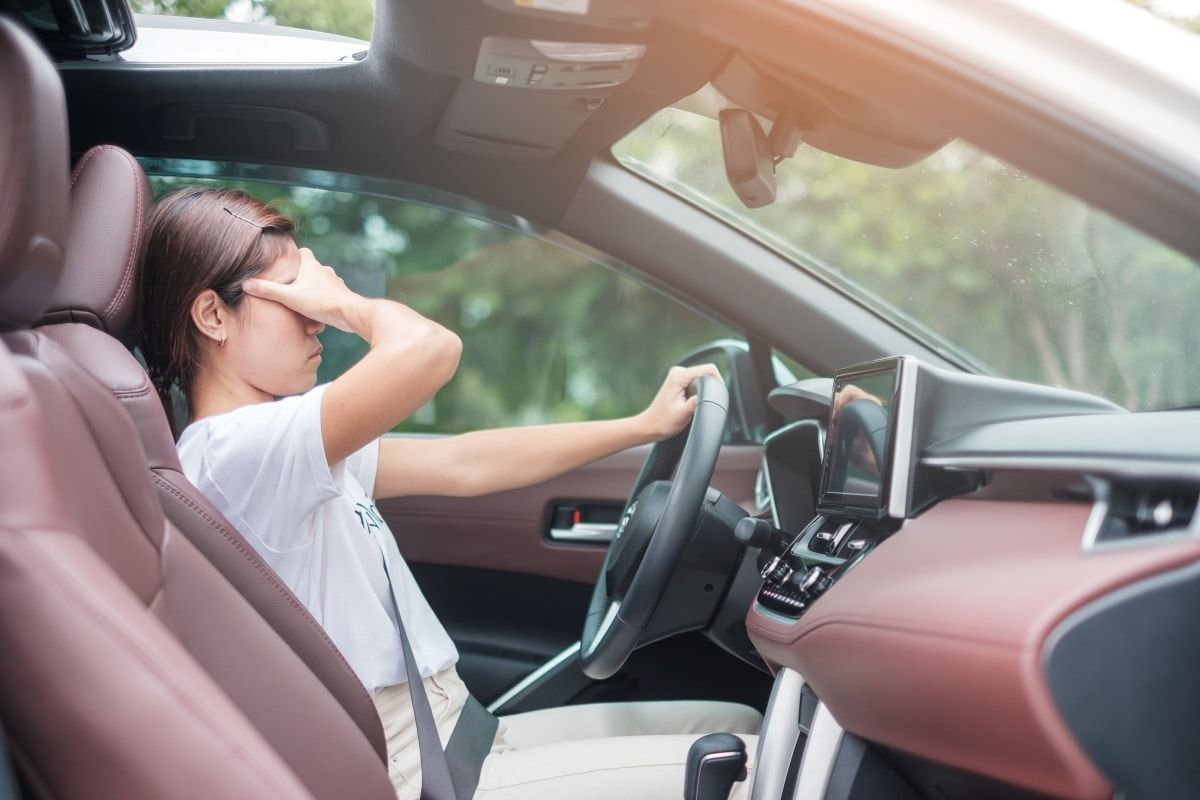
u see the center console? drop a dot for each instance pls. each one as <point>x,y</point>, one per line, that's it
<point>863,489</point>
<point>810,564</point>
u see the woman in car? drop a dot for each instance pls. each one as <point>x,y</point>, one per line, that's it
<point>230,310</point>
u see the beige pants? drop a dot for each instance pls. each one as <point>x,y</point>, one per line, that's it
<point>632,751</point>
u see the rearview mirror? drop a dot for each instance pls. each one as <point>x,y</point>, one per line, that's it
<point>749,162</point>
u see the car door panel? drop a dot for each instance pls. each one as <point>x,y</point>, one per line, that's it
<point>506,531</point>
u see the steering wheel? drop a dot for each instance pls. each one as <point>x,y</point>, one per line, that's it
<point>656,525</point>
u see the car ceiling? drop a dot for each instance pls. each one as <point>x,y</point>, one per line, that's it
<point>383,114</point>
<point>386,114</point>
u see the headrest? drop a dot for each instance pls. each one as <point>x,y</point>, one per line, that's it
<point>115,368</point>
<point>33,177</point>
<point>110,200</point>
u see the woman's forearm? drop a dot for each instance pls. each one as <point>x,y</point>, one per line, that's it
<point>410,359</point>
<point>510,458</point>
<point>380,321</point>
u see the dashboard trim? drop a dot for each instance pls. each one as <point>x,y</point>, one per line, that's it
<point>777,737</point>
<point>1115,466</point>
<point>902,466</point>
<point>929,646</point>
<point>820,753</point>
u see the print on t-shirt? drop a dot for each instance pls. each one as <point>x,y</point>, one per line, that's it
<point>368,517</point>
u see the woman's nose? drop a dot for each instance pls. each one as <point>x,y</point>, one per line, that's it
<point>313,327</point>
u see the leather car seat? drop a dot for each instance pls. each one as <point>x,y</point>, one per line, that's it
<point>89,310</point>
<point>90,569</point>
<point>99,699</point>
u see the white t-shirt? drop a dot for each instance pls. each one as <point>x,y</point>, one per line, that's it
<point>264,467</point>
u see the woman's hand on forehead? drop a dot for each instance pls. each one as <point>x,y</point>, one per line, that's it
<point>286,268</point>
<point>313,290</point>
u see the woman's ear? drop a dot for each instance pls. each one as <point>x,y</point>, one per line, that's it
<point>211,316</point>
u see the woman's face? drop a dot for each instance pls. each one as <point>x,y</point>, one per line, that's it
<point>273,348</point>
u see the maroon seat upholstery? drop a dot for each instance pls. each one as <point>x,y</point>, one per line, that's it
<point>126,653</point>
<point>92,303</point>
<point>98,698</point>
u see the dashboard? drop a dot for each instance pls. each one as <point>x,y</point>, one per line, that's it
<point>973,588</point>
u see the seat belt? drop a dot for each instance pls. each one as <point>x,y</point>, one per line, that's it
<point>469,745</point>
<point>473,734</point>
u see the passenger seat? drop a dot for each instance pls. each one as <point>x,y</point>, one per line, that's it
<point>89,311</point>
<point>99,700</point>
<point>130,664</point>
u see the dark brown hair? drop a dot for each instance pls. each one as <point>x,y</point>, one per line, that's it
<point>198,239</point>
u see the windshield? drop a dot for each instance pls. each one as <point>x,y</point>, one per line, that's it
<point>968,254</point>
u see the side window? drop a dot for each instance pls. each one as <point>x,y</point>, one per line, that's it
<point>552,332</point>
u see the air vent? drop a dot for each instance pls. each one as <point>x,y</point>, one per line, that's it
<point>1131,511</point>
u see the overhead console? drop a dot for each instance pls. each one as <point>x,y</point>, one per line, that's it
<point>541,70</point>
<point>534,64</point>
<point>565,82</point>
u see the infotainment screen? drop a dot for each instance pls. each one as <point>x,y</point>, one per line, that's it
<point>860,442</point>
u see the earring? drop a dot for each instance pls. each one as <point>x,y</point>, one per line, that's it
<point>221,342</point>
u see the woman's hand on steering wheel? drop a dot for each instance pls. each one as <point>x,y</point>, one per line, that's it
<point>672,408</point>
<point>659,519</point>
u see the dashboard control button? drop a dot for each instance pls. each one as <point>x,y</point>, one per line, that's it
<point>841,535</point>
<point>770,567</point>
<point>812,584</point>
<point>811,579</point>
<point>822,542</point>
<point>776,571</point>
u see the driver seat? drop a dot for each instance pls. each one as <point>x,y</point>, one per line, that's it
<point>89,310</point>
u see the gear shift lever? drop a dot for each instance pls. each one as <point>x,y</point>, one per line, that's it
<point>714,763</point>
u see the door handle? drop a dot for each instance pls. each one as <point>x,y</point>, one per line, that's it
<point>585,533</point>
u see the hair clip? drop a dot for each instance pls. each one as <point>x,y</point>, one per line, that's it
<point>243,219</point>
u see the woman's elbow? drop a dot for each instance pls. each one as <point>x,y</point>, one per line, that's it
<point>444,350</point>
<point>454,346</point>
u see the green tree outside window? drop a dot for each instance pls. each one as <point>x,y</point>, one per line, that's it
<point>551,331</point>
